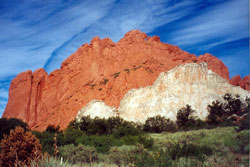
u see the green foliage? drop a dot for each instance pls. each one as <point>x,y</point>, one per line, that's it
<point>100,126</point>
<point>215,111</point>
<point>70,136</point>
<point>79,153</point>
<point>99,133</point>
<point>159,124</point>
<point>232,104</point>
<point>125,155</point>
<point>239,143</point>
<point>47,161</point>
<point>7,124</point>
<point>105,142</point>
<point>183,148</point>
<point>53,129</point>
<point>226,113</point>
<point>47,141</point>
<point>185,118</point>
<point>158,158</point>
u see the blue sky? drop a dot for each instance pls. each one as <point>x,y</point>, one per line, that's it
<point>42,33</point>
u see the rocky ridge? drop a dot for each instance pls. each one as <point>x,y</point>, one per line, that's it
<point>192,84</point>
<point>243,83</point>
<point>101,70</point>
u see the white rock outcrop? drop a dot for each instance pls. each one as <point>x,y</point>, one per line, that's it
<point>96,108</point>
<point>192,84</point>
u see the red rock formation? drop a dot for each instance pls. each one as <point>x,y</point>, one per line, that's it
<point>243,83</point>
<point>235,80</point>
<point>101,70</point>
<point>215,65</point>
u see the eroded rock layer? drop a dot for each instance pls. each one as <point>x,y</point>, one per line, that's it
<point>192,84</point>
<point>101,70</point>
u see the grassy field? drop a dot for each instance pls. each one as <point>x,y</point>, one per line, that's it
<point>220,147</point>
<point>230,148</point>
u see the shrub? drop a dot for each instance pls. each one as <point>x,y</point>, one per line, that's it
<point>232,104</point>
<point>47,141</point>
<point>117,156</point>
<point>243,123</point>
<point>99,126</point>
<point>19,148</point>
<point>159,124</point>
<point>184,149</point>
<point>46,161</point>
<point>227,113</point>
<point>185,118</point>
<point>79,153</point>
<point>6,124</point>
<point>216,112</point>
<point>70,136</point>
<point>157,158</point>
<point>125,155</point>
<point>53,129</point>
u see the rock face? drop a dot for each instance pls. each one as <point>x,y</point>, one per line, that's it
<point>101,70</point>
<point>192,84</point>
<point>243,83</point>
<point>96,109</point>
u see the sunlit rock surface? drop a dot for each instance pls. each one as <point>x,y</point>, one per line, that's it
<point>192,84</point>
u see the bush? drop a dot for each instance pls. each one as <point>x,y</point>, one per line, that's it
<point>216,112</point>
<point>157,158</point>
<point>159,124</point>
<point>228,112</point>
<point>7,124</point>
<point>185,118</point>
<point>53,129</point>
<point>125,155</point>
<point>100,126</point>
<point>232,104</point>
<point>47,141</point>
<point>184,149</point>
<point>243,123</point>
<point>118,156</point>
<point>19,148</point>
<point>79,153</point>
<point>47,161</point>
<point>70,136</point>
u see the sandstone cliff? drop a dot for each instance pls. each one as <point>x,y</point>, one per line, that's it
<point>192,84</point>
<point>101,70</point>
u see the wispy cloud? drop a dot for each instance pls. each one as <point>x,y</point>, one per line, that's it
<point>221,23</point>
<point>38,33</point>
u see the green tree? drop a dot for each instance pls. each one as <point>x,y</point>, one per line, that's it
<point>7,124</point>
<point>185,118</point>
<point>215,112</point>
<point>232,104</point>
<point>159,124</point>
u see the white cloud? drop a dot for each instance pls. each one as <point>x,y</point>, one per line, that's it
<point>225,22</point>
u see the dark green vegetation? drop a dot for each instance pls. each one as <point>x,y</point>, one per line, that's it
<point>221,140</point>
<point>7,124</point>
<point>99,133</point>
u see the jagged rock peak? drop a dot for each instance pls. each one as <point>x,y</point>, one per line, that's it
<point>101,70</point>
<point>243,83</point>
